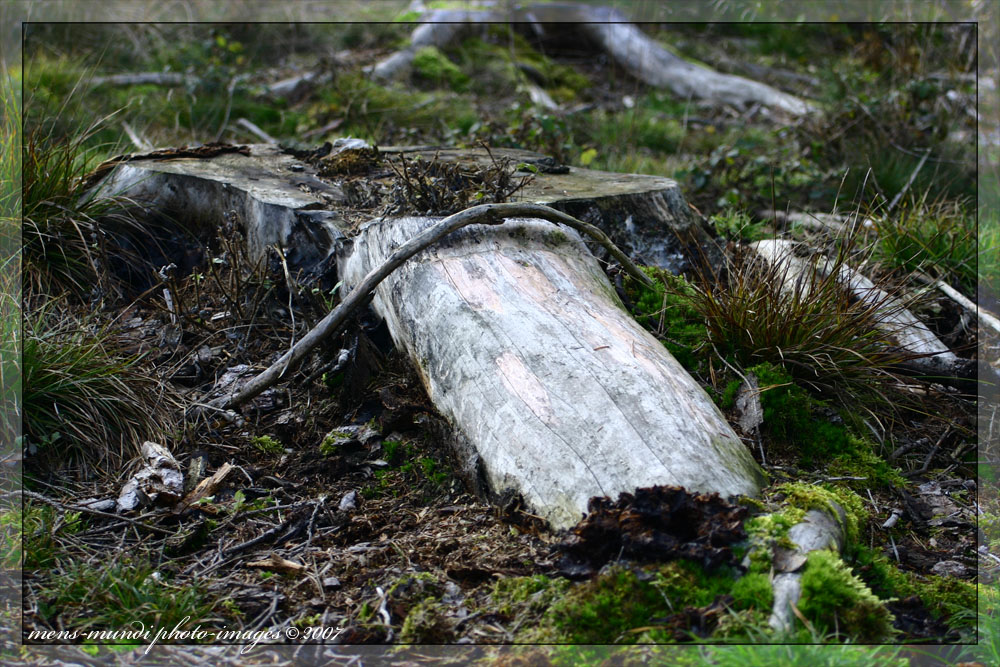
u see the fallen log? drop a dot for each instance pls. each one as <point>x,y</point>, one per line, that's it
<point>818,530</point>
<point>363,291</point>
<point>610,32</point>
<point>551,389</point>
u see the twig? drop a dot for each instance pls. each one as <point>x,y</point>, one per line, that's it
<point>383,612</point>
<point>290,528</point>
<point>489,214</point>
<point>229,107</point>
<point>891,521</point>
<point>927,461</point>
<point>291,291</point>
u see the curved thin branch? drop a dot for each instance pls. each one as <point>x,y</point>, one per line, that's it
<point>488,214</point>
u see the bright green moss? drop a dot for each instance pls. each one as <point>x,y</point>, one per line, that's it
<point>618,606</point>
<point>835,600</point>
<point>433,66</point>
<point>726,399</point>
<point>267,444</point>
<point>605,609</point>
<point>665,309</point>
<point>767,531</point>
<point>527,595</point>
<point>812,496</point>
<point>790,415</point>
<point>426,623</point>
<point>753,591</point>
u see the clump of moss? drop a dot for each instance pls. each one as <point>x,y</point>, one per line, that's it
<point>835,600</point>
<point>753,591</point>
<point>664,308</point>
<point>824,497</point>
<point>767,531</point>
<point>426,623</point>
<point>726,399</point>
<point>620,604</point>
<point>352,161</point>
<point>527,596</point>
<point>945,598</point>
<point>794,418</point>
<point>332,441</point>
<point>737,225</point>
<point>603,610</point>
<point>791,414</point>
<point>434,67</point>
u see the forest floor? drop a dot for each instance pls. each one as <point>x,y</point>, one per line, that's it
<point>343,510</point>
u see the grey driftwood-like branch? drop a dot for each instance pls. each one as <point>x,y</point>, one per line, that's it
<point>610,31</point>
<point>489,214</point>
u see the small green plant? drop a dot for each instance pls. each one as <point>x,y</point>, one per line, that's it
<point>737,225</point>
<point>268,445</point>
<point>42,527</point>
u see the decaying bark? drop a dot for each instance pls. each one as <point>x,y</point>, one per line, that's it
<point>610,32</point>
<point>551,389</point>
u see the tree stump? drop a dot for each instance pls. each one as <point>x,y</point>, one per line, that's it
<point>552,390</point>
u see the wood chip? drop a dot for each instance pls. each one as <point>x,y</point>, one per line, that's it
<point>207,487</point>
<point>279,564</point>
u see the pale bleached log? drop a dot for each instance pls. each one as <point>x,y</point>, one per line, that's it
<point>144,79</point>
<point>985,319</point>
<point>654,65</point>
<point>922,353</point>
<point>363,290</point>
<point>553,390</point>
